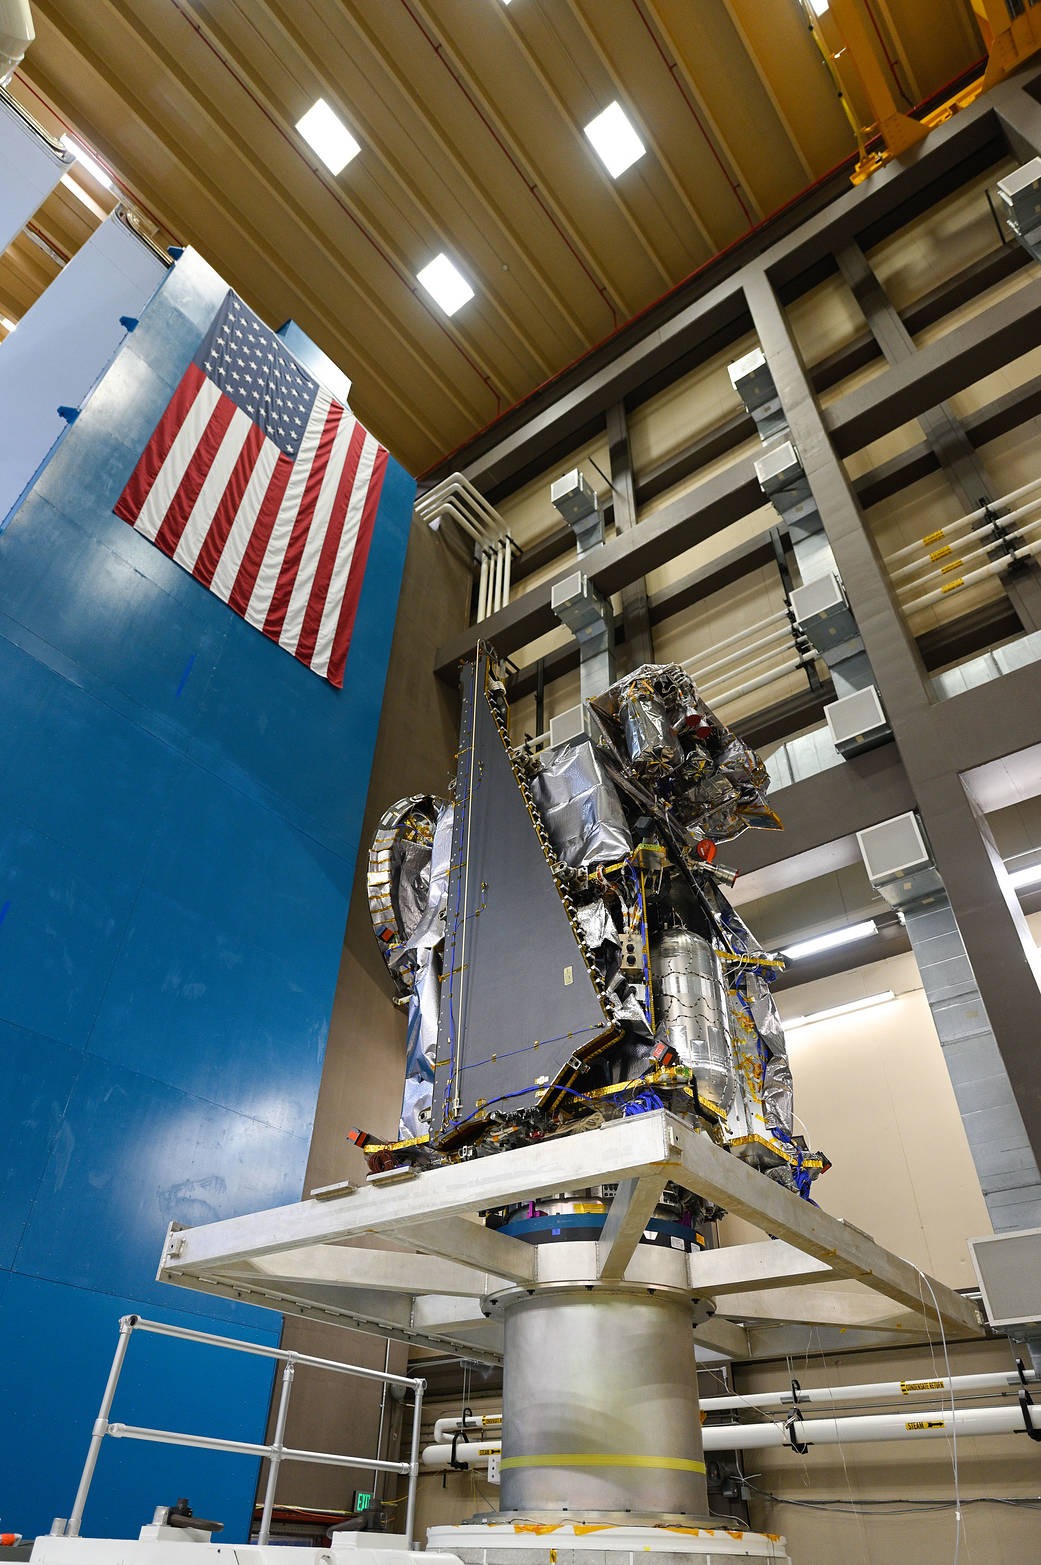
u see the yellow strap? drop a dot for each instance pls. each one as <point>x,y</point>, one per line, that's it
<point>604,1459</point>
<point>938,554</point>
<point>952,584</point>
<point>932,537</point>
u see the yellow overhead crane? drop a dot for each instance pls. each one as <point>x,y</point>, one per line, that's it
<point>1011,31</point>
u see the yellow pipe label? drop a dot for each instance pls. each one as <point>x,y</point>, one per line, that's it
<point>952,584</point>
<point>938,554</point>
<point>933,537</point>
<point>926,1423</point>
<point>605,1459</point>
<point>920,1385</point>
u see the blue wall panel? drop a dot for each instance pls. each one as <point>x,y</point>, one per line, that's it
<point>181,805</point>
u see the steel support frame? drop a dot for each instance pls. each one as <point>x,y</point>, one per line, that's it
<point>294,1258</point>
<point>998,944</point>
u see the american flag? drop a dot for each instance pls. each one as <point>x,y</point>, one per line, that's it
<point>264,487</point>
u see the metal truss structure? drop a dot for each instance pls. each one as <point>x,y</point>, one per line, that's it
<point>408,1255</point>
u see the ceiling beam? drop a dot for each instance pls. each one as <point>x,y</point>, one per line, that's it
<point>519,444</point>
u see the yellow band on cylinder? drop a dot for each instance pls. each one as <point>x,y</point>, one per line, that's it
<point>604,1459</point>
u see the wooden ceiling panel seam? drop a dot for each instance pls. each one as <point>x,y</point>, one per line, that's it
<point>385,243</point>
<point>413,197</point>
<point>910,91</point>
<point>218,124</point>
<point>663,161</point>
<point>739,180</point>
<point>541,193</point>
<point>565,115</point>
<point>767,85</point>
<point>225,212</point>
<point>185,9</point>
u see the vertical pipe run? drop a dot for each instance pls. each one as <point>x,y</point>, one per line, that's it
<point>507,570</point>
<point>497,603</point>
<point>377,1473</point>
<point>413,1463</point>
<point>482,591</point>
<point>126,1326</point>
<point>275,1461</point>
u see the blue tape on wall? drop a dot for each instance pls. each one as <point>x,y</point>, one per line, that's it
<point>181,808</point>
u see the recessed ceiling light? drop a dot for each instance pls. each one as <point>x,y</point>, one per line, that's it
<point>834,937</point>
<point>445,283</point>
<point>7,323</point>
<point>614,139</point>
<point>325,132</point>
<point>839,1010</point>
<point>92,166</point>
<point>1022,878</point>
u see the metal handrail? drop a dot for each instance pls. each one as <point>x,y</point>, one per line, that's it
<point>274,1454</point>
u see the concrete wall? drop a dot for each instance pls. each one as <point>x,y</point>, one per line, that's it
<point>365,1055</point>
<point>181,811</point>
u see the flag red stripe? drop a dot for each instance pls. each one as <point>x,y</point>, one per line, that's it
<point>279,605</point>
<point>180,508</point>
<point>330,549</point>
<point>253,558</point>
<point>212,548</point>
<point>349,606</point>
<point>129,504</point>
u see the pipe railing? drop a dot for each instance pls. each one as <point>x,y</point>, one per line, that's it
<point>968,520</point>
<point>910,1423</point>
<point>1029,551</point>
<point>274,1453</point>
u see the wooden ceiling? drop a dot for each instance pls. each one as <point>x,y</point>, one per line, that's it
<point>470,116</point>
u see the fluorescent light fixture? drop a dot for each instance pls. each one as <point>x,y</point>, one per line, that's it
<point>92,166</point>
<point>1022,878</point>
<point>614,139</point>
<point>835,937</point>
<point>839,1010</point>
<point>326,134</point>
<point>818,7</point>
<point>7,323</point>
<point>445,283</point>
<point>84,196</point>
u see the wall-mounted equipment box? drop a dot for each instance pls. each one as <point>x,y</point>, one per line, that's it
<point>1009,1270</point>
<point>857,722</point>
<point>821,608</point>
<point>898,860</point>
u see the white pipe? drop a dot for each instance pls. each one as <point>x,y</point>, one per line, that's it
<point>967,520</point>
<point>953,565</point>
<point>998,524</point>
<point>721,679</point>
<point>458,486</point>
<point>482,591</point>
<point>762,679</point>
<point>1028,551</point>
<point>449,508</point>
<point>445,1428</point>
<point>770,619</point>
<point>508,571</point>
<point>1019,531</point>
<point>497,588</point>
<point>739,652</point>
<point>910,1424</point>
<point>873,1391</point>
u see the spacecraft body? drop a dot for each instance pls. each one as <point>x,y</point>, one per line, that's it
<point>560,933</point>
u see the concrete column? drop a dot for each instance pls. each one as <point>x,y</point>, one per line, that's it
<point>997,943</point>
<point>636,620</point>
